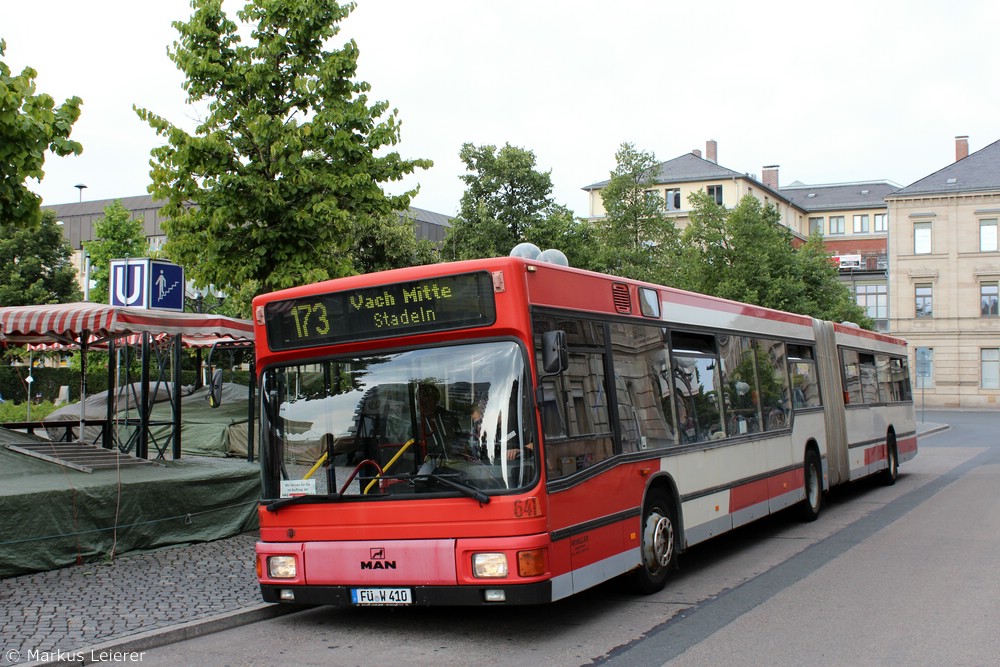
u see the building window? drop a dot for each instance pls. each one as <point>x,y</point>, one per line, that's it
<point>655,197</point>
<point>988,294</point>
<point>674,199</point>
<point>874,299</point>
<point>881,222</point>
<point>861,224</point>
<point>816,226</point>
<point>988,235</point>
<point>921,238</point>
<point>836,224</point>
<point>990,362</point>
<point>925,367</point>
<point>925,301</point>
<point>715,192</point>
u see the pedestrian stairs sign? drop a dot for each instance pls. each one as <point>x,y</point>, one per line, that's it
<point>147,283</point>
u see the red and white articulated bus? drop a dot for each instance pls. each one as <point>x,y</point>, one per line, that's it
<point>510,431</point>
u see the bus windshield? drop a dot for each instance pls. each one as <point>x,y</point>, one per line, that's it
<point>443,420</point>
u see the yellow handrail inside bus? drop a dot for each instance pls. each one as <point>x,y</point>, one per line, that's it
<point>389,464</point>
<point>315,467</point>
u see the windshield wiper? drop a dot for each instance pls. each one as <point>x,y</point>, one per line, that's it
<point>425,472</point>
<point>310,499</point>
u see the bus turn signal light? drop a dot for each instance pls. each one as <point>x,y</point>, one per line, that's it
<point>531,563</point>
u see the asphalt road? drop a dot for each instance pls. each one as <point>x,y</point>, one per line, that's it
<point>901,575</point>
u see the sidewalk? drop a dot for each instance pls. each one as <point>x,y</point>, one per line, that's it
<point>143,600</point>
<point>140,599</point>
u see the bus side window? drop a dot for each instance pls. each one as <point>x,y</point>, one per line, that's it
<point>899,370</point>
<point>739,380</point>
<point>772,374</point>
<point>886,389</point>
<point>869,378</point>
<point>805,385</point>
<point>641,387</point>
<point>852,377</point>
<point>574,404</point>
<point>582,396</point>
<point>696,384</point>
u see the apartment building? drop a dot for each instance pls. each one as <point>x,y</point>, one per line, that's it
<point>944,267</point>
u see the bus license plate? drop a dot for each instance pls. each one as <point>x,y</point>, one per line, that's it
<point>380,596</point>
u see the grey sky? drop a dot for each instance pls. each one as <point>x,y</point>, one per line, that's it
<point>831,92</point>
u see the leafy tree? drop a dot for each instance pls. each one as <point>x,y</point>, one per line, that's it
<point>637,238</point>
<point>116,236</point>
<point>746,254</point>
<point>30,125</point>
<point>36,265</point>
<point>506,201</point>
<point>743,254</point>
<point>389,242</point>
<point>289,153</point>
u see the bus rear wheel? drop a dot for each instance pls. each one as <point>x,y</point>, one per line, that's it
<point>892,461</point>
<point>659,543</point>
<point>813,480</point>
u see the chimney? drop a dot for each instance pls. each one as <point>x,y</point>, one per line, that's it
<point>769,176</point>
<point>961,147</point>
<point>696,153</point>
<point>712,151</point>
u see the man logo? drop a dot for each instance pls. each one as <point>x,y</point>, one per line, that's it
<point>377,560</point>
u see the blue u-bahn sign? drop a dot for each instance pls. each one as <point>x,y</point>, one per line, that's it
<point>147,283</point>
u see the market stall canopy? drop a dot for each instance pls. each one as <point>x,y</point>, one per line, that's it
<point>66,323</point>
<point>86,325</point>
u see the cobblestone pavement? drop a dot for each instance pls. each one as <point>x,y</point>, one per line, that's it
<point>76,607</point>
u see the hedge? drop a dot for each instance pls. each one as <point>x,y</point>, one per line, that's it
<point>47,381</point>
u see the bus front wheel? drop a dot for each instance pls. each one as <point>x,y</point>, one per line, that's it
<point>659,543</point>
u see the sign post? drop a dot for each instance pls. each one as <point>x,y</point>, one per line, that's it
<point>923,372</point>
<point>147,283</point>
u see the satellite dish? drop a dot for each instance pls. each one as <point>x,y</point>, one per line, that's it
<point>553,256</point>
<point>525,250</point>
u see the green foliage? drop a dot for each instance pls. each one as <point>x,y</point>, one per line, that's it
<point>289,154</point>
<point>746,254</point>
<point>18,412</point>
<point>388,242</point>
<point>637,239</point>
<point>30,125</point>
<point>117,236</point>
<point>743,254</point>
<point>36,265</point>
<point>506,202</point>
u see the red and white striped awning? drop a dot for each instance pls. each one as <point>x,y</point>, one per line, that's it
<point>67,322</point>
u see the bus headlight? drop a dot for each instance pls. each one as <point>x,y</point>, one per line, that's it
<point>281,567</point>
<point>489,565</point>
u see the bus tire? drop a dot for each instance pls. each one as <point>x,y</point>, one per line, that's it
<point>813,480</point>
<point>659,543</point>
<point>889,475</point>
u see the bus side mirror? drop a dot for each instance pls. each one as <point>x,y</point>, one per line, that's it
<point>215,389</point>
<point>555,358</point>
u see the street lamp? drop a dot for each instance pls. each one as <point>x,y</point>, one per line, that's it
<point>81,187</point>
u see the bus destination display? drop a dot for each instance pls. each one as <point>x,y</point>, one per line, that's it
<point>435,304</point>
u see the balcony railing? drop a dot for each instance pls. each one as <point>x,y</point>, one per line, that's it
<point>864,262</point>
